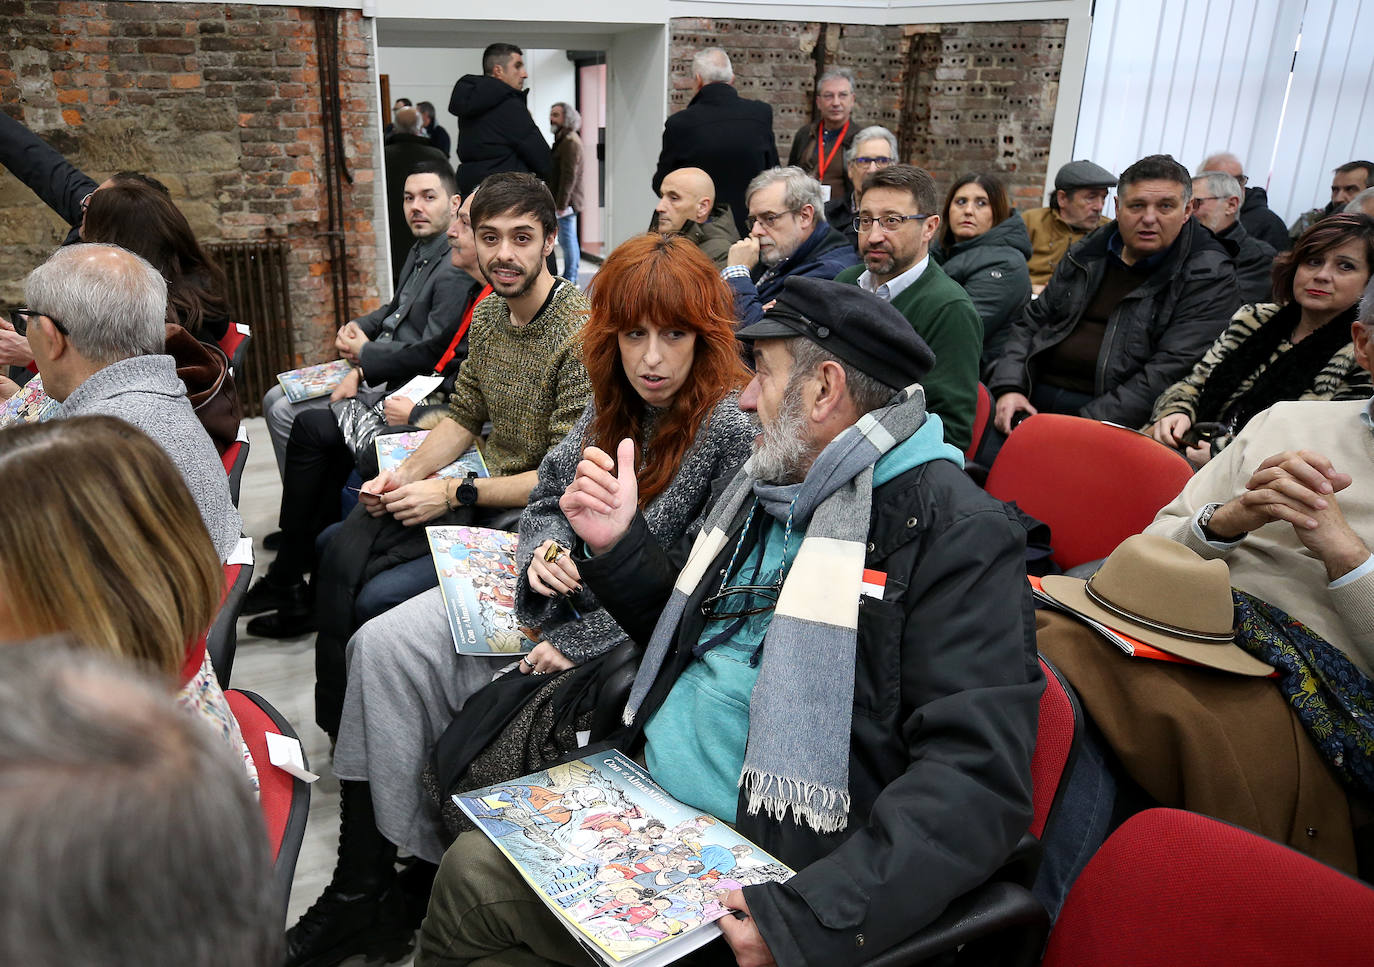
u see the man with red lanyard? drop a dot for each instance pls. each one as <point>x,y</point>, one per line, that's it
<point>817,147</point>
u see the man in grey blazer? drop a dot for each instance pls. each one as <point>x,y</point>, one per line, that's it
<point>431,292</point>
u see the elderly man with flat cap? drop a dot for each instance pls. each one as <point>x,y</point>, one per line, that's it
<point>1075,209</point>
<point>842,665</point>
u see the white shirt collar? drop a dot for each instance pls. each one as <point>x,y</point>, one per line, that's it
<point>892,288</point>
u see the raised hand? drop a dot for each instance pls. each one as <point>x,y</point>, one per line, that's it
<point>600,503</point>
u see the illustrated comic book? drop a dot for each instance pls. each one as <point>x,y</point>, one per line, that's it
<point>29,405</point>
<point>393,448</point>
<point>313,381</point>
<point>477,576</point>
<point>635,875</point>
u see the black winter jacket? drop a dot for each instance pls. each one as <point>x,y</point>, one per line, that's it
<point>1262,223</point>
<point>1254,260</point>
<point>727,136</point>
<point>825,254</point>
<point>946,698</point>
<point>1154,336</point>
<point>992,269</point>
<point>495,132</point>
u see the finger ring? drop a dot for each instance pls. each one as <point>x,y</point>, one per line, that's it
<point>525,660</point>
<point>552,553</point>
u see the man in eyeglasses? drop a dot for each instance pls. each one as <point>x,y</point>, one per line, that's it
<point>872,150</point>
<point>788,237</point>
<point>843,667</point>
<point>1255,215</point>
<point>895,222</point>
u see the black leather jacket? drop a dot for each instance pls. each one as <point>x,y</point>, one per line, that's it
<point>946,696</point>
<point>1154,336</point>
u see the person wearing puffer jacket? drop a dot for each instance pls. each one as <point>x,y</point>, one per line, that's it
<point>983,245</point>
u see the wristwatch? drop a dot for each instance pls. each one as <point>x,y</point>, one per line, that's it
<point>466,494</point>
<point>1205,518</point>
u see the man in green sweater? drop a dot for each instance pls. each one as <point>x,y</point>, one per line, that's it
<point>896,221</point>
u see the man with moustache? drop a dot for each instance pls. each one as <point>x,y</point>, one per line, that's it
<point>851,541</point>
<point>788,237</point>
<point>895,222</point>
<point>319,458</point>
<point>431,293</point>
<point>523,374</point>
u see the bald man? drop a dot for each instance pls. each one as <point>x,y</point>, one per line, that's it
<point>687,205</point>
<point>1255,215</point>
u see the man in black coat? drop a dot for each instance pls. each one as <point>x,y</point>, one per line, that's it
<point>1259,221</point>
<point>927,695</point>
<point>1127,313</point>
<point>438,136</point>
<point>727,136</point>
<point>1216,204</point>
<point>495,130</point>
<point>405,148</point>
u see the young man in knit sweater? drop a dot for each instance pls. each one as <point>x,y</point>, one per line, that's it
<point>1288,505</point>
<point>896,222</point>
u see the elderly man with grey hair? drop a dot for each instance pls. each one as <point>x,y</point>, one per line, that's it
<point>1362,203</point>
<point>1286,505</point>
<point>1255,214</point>
<point>788,237</point>
<point>1217,197</point>
<point>727,136</point>
<point>819,146</point>
<point>873,149</point>
<point>95,320</point>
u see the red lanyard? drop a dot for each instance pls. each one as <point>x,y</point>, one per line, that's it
<point>821,156</point>
<point>462,331</point>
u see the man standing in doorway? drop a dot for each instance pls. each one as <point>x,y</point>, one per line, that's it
<point>495,130</point>
<point>818,147</point>
<point>565,123</point>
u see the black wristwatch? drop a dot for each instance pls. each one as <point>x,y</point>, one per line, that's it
<point>466,494</point>
<point>1205,518</point>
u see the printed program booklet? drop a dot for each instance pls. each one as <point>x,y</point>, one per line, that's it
<point>29,405</point>
<point>310,382</point>
<point>635,875</point>
<point>393,448</point>
<point>476,567</point>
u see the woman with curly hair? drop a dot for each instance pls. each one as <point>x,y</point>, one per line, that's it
<point>660,349</point>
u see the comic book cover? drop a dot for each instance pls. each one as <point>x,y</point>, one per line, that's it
<point>634,874</point>
<point>393,448</point>
<point>312,381</point>
<point>476,567</point>
<point>29,405</point>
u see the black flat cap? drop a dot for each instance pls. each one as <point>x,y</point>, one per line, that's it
<point>850,324</point>
<point>1083,174</point>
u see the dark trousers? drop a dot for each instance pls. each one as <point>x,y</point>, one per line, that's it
<point>317,465</point>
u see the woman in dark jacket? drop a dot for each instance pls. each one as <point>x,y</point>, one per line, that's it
<point>1297,347</point>
<point>983,245</point>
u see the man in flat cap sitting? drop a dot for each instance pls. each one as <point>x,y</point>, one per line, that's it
<point>843,667</point>
<point>1075,209</point>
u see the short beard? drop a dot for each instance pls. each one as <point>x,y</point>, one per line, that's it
<point>521,288</point>
<point>783,455</point>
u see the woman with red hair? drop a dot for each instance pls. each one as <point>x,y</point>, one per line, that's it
<point>665,368</point>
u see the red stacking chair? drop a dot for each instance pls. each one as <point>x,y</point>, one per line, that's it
<point>235,459</point>
<point>1056,745</point>
<point>235,345</point>
<point>222,639</point>
<point>982,419</point>
<point>285,799</point>
<point>1093,483</point>
<point>1172,887</point>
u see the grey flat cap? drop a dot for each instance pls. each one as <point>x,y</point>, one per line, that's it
<point>1083,174</point>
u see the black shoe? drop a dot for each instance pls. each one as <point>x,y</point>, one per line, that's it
<point>286,623</point>
<point>271,593</point>
<point>343,925</point>
<point>272,542</point>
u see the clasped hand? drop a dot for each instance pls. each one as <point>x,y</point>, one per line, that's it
<point>409,502</point>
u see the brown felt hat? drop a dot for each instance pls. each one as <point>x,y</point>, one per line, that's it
<point>1164,594</point>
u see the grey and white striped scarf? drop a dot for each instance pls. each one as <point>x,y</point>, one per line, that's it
<point>797,754</point>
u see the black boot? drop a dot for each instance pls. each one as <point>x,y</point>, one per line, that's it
<point>275,590</point>
<point>294,613</point>
<point>360,911</point>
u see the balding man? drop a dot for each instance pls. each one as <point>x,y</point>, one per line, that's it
<point>727,136</point>
<point>1255,215</point>
<point>687,205</point>
<point>96,324</point>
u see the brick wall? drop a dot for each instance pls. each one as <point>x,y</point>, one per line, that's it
<point>961,97</point>
<point>221,102</point>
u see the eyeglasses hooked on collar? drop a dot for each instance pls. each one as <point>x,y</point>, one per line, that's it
<point>888,223</point>
<point>20,317</point>
<point>769,219</point>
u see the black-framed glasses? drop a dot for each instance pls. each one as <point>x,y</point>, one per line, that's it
<point>1200,198</point>
<point>876,161</point>
<point>20,316</point>
<point>712,610</point>
<point>769,219</point>
<point>888,223</point>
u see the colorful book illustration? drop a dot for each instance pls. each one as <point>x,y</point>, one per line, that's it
<point>29,405</point>
<point>635,875</point>
<point>310,382</point>
<point>477,576</point>
<point>393,448</point>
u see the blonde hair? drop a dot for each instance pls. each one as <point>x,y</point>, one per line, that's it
<point>102,540</point>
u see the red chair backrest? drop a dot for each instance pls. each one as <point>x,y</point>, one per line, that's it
<point>1093,483</point>
<point>231,456</point>
<point>982,416</point>
<point>230,340</point>
<point>1055,740</point>
<point>277,787</point>
<point>1171,887</point>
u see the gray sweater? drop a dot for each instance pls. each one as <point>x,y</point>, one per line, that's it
<point>146,392</point>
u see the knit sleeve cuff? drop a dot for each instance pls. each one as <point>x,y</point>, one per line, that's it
<point>1354,602</point>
